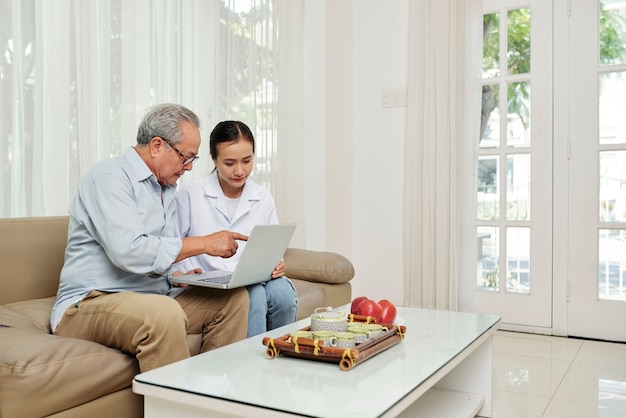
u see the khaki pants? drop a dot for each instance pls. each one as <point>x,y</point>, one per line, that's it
<point>154,328</point>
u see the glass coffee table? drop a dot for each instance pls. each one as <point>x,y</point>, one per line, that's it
<point>441,368</point>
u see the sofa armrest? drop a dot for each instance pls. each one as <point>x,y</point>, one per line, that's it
<point>318,266</point>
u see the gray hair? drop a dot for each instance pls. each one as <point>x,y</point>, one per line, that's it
<point>164,120</point>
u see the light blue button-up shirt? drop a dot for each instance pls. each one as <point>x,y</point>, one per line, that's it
<point>121,234</point>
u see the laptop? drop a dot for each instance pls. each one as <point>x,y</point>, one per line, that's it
<point>263,251</point>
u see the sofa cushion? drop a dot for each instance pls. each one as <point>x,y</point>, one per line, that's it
<point>41,374</point>
<point>35,248</point>
<point>318,266</point>
<point>319,295</point>
<point>34,313</point>
<point>10,318</point>
<point>310,297</point>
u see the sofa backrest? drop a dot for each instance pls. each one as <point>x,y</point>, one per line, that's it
<point>32,251</point>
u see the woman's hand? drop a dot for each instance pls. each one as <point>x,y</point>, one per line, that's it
<point>279,270</point>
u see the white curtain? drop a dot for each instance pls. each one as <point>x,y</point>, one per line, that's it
<point>289,178</point>
<point>438,172</point>
<point>76,77</point>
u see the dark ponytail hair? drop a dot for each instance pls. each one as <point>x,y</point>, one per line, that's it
<point>229,131</point>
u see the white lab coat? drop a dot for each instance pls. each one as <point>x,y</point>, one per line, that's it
<point>201,210</point>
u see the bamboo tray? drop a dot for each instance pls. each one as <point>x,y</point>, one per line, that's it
<point>347,358</point>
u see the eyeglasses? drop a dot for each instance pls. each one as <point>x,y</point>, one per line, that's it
<point>186,160</point>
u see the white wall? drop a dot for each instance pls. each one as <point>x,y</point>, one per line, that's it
<point>359,152</point>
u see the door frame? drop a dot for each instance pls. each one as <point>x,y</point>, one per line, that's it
<point>560,158</point>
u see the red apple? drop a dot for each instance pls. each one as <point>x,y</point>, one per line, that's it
<point>355,304</point>
<point>370,308</point>
<point>388,312</point>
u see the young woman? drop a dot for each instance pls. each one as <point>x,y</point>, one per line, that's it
<point>228,200</point>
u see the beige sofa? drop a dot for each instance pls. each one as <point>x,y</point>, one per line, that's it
<point>46,375</point>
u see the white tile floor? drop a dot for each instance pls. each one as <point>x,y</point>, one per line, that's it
<point>538,376</point>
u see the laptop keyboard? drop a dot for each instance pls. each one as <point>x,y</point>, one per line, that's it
<point>219,279</point>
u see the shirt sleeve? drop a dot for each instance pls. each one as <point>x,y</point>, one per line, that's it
<point>129,222</point>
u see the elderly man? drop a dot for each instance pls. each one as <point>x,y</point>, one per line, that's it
<point>121,242</point>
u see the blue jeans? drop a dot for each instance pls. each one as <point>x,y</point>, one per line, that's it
<point>272,305</point>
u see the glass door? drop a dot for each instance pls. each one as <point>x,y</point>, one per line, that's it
<point>513,180</point>
<point>597,170</point>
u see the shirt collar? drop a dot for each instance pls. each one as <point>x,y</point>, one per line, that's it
<point>139,166</point>
<point>213,189</point>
